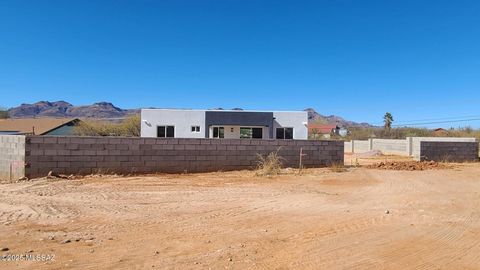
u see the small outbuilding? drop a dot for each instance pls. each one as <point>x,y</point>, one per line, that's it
<point>38,126</point>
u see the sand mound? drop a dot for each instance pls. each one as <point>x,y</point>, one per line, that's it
<point>409,165</point>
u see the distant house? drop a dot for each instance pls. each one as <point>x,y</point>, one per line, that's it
<point>224,124</point>
<point>316,131</point>
<point>38,126</point>
<point>439,132</point>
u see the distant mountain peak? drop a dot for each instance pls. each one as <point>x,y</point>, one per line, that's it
<point>61,103</point>
<point>103,103</point>
<point>105,110</point>
<point>65,109</point>
<point>315,117</point>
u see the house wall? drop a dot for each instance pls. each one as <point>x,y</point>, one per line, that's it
<point>62,131</point>
<point>233,132</point>
<point>297,120</point>
<point>239,118</point>
<point>12,157</point>
<point>85,155</point>
<point>183,120</point>
<point>10,133</point>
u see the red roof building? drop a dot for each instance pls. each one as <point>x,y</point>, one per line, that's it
<point>322,129</point>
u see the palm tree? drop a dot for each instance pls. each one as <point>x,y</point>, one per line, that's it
<point>388,120</point>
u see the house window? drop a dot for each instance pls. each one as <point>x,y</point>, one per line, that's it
<point>251,133</point>
<point>218,132</point>
<point>196,129</point>
<point>257,133</point>
<point>165,131</point>
<point>245,133</point>
<point>285,133</point>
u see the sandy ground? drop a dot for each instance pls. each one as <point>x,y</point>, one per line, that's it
<point>318,220</point>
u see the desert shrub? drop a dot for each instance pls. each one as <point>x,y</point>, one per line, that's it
<point>403,132</point>
<point>129,127</point>
<point>360,133</point>
<point>462,132</point>
<point>269,165</point>
<point>3,113</point>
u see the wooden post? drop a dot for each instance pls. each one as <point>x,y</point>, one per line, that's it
<point>300,166</point>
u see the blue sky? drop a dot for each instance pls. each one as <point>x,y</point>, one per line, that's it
<point>357,59</point>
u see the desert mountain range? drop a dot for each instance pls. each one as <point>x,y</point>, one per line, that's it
<point>106,110</point>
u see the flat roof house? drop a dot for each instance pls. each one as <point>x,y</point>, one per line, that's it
<point>228,124</point>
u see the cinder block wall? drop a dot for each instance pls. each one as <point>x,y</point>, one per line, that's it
<point>416,143</point>
<point>348,147</point>
<point>361,146</point>
<point>12,157</point>
<point>390,146</point>
<point>85,155</point>
<point>407,147</point>
<point>449,151</point>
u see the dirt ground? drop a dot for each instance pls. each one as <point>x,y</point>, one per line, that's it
<point>358,219</point>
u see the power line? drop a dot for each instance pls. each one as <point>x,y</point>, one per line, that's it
<point>438,119</point>
<point>439,122</point>
<point>434,119</point>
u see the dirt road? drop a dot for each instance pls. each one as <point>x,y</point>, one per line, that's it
<point>319,220</point>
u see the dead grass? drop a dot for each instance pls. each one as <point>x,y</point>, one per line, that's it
<point>338,167</point>
<point>129,127</point>
<point>269,165</point>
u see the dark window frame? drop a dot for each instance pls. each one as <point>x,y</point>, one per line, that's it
<point>195,129</point>
<point>284,131</point>
<point>166,131</point>
<point>220,132</point>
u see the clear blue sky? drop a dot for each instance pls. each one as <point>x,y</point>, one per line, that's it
<point>356,59</point>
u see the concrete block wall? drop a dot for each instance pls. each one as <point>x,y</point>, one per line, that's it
<point>361,146</point>
<point>348,147</point>
<point>448,151</point>
<point>12,157</point>
<point>407,147</point>
<point>390,147</point>
<point>85,155</point>
<point>415,146</point>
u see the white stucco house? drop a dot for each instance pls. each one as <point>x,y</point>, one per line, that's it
<point>228,124</point>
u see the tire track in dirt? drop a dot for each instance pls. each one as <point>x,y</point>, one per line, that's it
<point>323,220</point>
